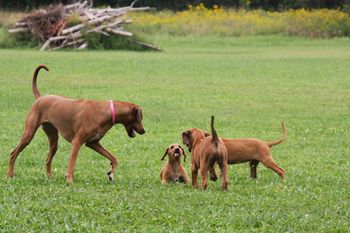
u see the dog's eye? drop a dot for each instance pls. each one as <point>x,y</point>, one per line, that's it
<point>171,147</point>
<point>180,147</point>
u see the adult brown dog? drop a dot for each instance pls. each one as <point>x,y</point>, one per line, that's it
<point>79,122</point>
<point>251,150</point>
<point>206,151</point>
<point>173,171</point>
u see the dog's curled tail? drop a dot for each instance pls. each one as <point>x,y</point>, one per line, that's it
<point>215,138</point>
<point>273,143</point>
<point>34,87</point>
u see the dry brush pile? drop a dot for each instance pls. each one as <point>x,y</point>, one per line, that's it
<point>65,26</point>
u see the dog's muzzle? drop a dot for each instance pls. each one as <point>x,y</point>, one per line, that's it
<point>177,152</point>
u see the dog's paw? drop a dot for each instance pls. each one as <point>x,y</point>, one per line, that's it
<point>174,179</point>
<point>110,176</point>
<point>69,179</point>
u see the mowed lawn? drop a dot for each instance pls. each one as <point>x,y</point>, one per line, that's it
<point>250,84</point>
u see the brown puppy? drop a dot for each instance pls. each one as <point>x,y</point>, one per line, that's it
<point>79,122</point>
<point>251,150</point>
<point>205,152</point>
<point>173,171</point>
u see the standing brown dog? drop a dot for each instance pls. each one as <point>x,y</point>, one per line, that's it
<point>79,122</point>
<point>251,150</point>
<point>173,170</point>
<point>205,152</point>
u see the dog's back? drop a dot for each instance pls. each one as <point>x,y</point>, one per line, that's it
<point>241,150</point>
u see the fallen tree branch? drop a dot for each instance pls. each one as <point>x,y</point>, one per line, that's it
<point>148,46</point>
<point>15,30</point>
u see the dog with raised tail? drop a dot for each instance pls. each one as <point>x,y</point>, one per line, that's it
<point>206,151</point>
<point>79,122</point>
<point>251,150</point>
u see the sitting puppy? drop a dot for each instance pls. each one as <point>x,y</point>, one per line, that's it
<point>251,150</point>
<point>206,151</point>
<point>173,171</point>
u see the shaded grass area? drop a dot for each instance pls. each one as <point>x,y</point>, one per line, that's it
<point>249,83</point>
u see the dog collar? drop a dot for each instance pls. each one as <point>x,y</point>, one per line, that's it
<point>111,106</point>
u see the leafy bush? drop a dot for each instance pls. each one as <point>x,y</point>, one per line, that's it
<point>73,19</point>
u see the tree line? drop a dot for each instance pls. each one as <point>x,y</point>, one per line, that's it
<point>183,4</point>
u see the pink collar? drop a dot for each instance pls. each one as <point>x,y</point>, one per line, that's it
<point>111,106</point>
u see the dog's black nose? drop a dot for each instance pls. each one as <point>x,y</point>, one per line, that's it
<point>177,150</point>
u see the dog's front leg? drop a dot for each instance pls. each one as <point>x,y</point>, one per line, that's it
<point>76,144</point>
<point>96,146</point>
<point>183,176</point>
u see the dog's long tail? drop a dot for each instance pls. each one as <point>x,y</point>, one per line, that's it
<point>215,138</point>
<point>273,143</point>
<point>34,87</point>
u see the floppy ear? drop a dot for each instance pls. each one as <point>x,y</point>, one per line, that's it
<point>165,153</point>
<point>185,137</point>
<point>138,113</point>
<point>183,152</point>
<point>206,134</point>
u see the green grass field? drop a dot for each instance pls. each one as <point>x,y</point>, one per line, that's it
<point>250,84</point>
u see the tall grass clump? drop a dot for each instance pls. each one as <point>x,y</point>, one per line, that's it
<point>9,18</point>
<point>317,23</point>
<point>200,20</point>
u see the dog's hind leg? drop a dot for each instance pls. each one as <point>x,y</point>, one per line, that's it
<point>204,174</point>
<point>253,166</point>
<point>272,165</point>
<point>32,124</point>
<point>223,168</point>
<point>212,172</point>
<point>52,135</point>
<point>96,146</point>
<point>194,170</point>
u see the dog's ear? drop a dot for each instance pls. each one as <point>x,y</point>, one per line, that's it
<point>186,136</point>
<point>165,153</point>
<point>138,113</point>
<point>183,152</point>
<point>206,134</point>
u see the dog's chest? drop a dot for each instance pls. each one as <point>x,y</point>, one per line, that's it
<point>97,136</point>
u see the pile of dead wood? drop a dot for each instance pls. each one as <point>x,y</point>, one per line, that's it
<point>53,26</point>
